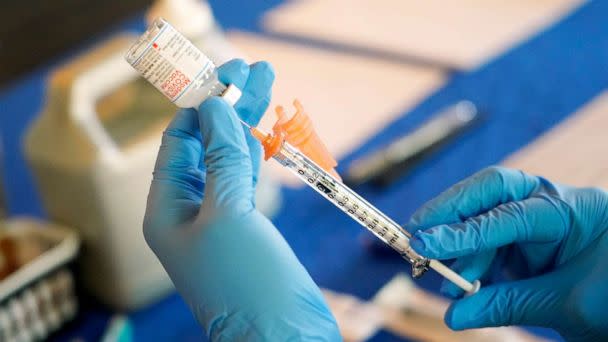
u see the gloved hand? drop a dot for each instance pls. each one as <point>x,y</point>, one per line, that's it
<point>230,264</point>
<point>548,240</point>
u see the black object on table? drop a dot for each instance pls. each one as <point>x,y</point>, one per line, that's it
<point>385,166</point>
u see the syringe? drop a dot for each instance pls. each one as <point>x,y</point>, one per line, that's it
<point>186,76</point>
<point>354,205</point>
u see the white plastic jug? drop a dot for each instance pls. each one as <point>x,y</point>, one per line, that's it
<point>90,180</point>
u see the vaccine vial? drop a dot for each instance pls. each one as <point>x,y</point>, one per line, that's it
<point>176,67</point>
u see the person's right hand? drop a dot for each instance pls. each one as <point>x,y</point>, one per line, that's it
<point>550,242</point>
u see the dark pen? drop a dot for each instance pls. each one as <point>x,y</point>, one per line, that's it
<point>385,166</point>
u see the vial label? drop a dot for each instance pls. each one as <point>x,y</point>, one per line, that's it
<point>169,61</point>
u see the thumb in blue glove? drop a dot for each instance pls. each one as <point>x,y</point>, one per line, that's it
<point>230,264</point>
<point>539,248</point>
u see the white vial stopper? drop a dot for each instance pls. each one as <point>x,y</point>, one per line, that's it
<point>232,94</point>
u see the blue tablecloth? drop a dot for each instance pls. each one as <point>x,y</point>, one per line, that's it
<point>522,93</point>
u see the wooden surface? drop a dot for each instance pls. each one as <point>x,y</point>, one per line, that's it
<point>460,33</point>
<point>349,98</point>
<point>574,152</point>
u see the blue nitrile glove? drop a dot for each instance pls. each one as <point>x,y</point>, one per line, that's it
<point>227,260</point>
<point>549,241</point>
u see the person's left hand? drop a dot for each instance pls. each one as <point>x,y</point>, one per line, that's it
<point>228,261</point>
<point>538,247</point>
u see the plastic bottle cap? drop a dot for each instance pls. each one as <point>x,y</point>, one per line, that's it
<point>190,17</point>
<point>232,94</point>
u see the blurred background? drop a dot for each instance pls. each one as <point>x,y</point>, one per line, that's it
<point>456,86</point>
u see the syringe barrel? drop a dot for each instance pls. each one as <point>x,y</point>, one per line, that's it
<point>352,204</point>
<point>365,213</point>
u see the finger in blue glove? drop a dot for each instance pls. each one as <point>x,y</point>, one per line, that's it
<point>549,237</point>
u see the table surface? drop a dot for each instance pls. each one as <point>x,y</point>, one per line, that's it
<point>523,93</point>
